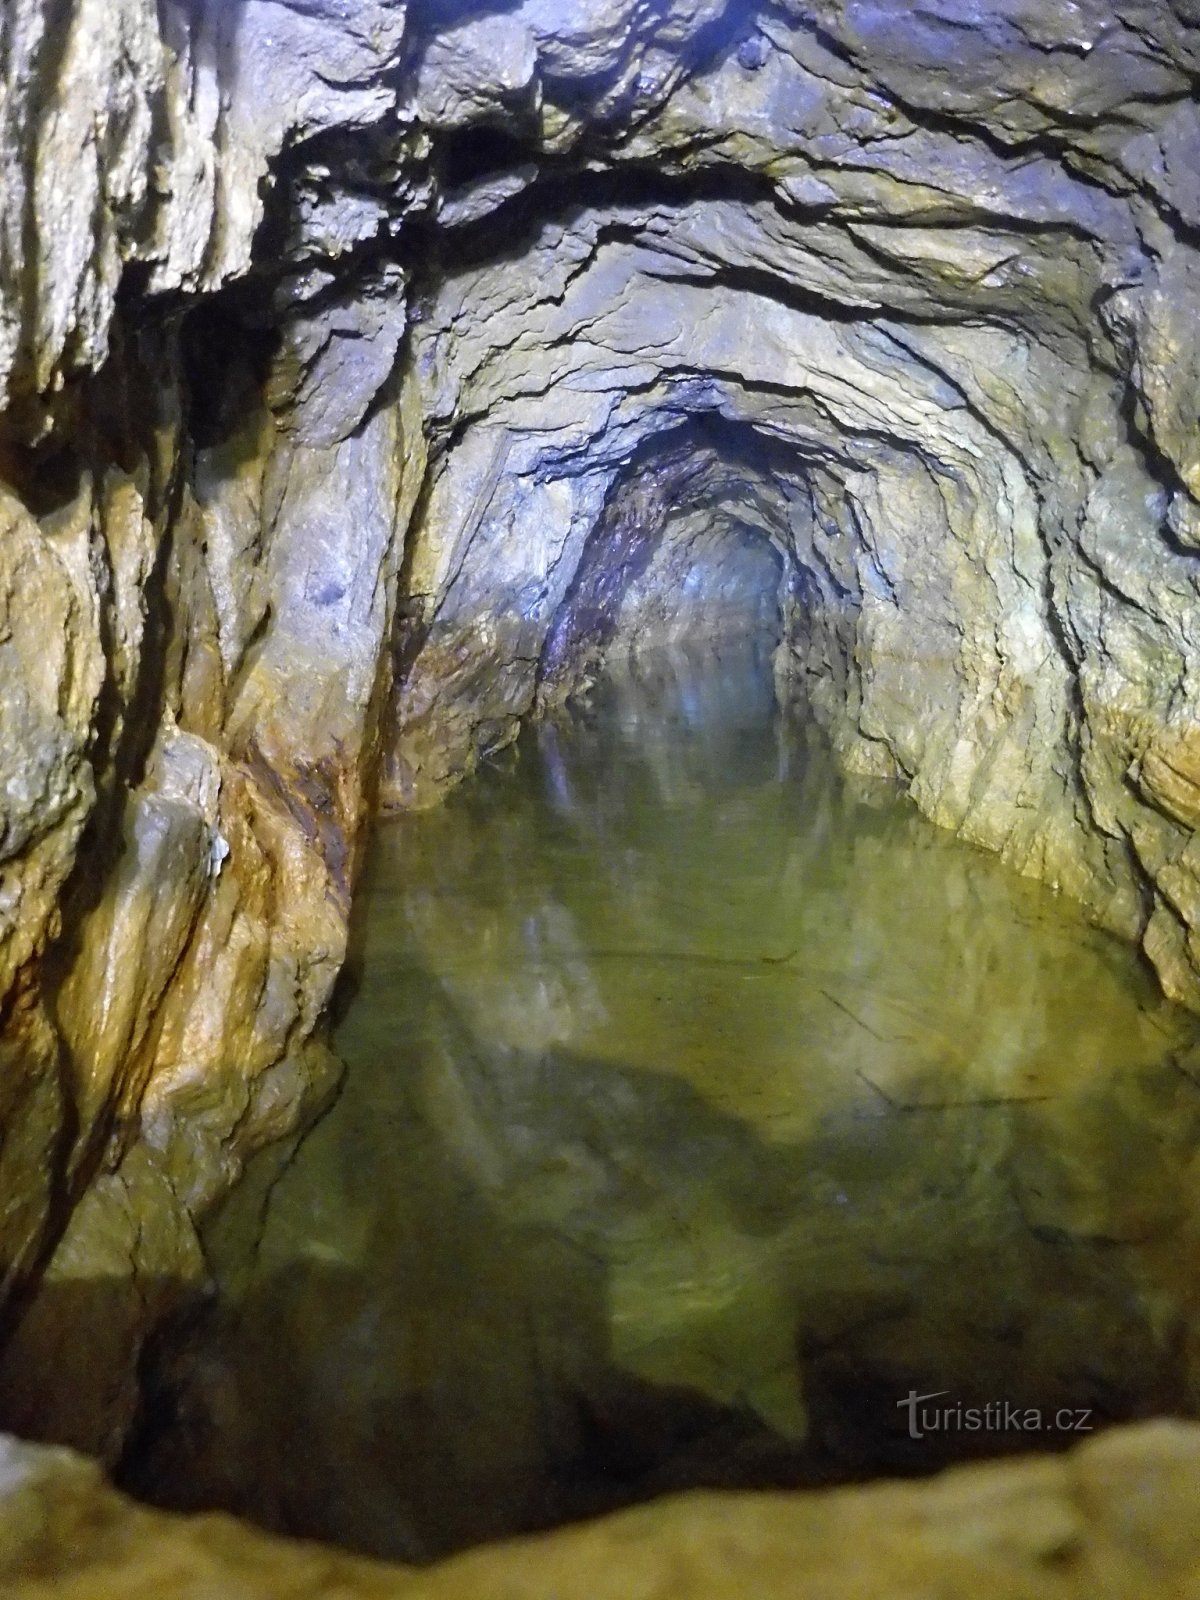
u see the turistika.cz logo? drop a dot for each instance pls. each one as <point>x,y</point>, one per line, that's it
<point>997,1416</point>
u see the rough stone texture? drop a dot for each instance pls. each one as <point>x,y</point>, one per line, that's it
<point>206,535</point>
<point>208,716</point>
<point>912,294</point>
<point>1116,1518</point>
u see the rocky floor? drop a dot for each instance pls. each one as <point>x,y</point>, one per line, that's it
<point>1116,1517</point>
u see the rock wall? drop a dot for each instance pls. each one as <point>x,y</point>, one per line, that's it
<point>365,370</point>
<point>200,551</point>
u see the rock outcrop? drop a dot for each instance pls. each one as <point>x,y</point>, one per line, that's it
<point>1115,1517</point>
<point>366,370</point>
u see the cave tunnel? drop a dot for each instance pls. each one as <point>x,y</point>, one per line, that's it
<point>599,774</point>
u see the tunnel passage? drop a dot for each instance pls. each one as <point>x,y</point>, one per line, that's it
<point>940,269</point>
<point>914,610</point>
<point>692,545</point>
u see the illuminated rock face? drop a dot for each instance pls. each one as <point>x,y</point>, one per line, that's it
<point>366,371</point>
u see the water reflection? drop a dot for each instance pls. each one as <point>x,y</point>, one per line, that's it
<point>699,1107</point>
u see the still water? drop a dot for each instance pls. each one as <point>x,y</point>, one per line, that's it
<point>700,1106</point>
